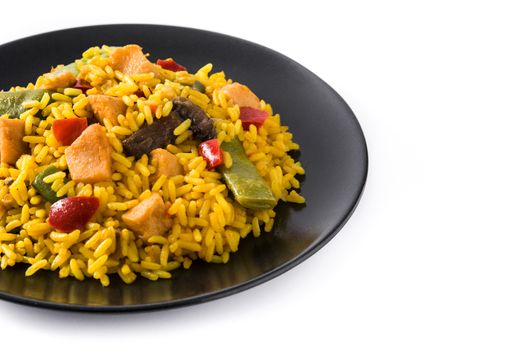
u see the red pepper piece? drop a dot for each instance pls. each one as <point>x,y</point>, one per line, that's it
<point>170,64</point>
<point>67,130</point>
<point>253,116</point>
<point>211,152</point>
<point>72,213</point>
<point>153,108</point>
<point>82,85</point>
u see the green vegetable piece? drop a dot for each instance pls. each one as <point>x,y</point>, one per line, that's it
<point>72,67</point>
<point>11,101</point>
<point>44,188</point>
<point>197,85</point>
<point>242,178</point>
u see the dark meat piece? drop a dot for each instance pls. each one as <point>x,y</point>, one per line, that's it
<point>201,125</point>
<point>160,133</point>
<point>157,135</point>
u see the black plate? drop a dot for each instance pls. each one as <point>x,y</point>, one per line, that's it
<point>333,152</point>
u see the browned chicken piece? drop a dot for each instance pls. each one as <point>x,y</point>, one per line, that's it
<point>89,157</point>
<point>11,144</point>
<point>149,217</point>
<point>166,163</point>
<point>55,80</point>
<point>240,95</point>
<point>130,60</point>
<point>107,107</point>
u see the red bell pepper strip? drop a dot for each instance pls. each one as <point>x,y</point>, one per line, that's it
<point>66,131</point>
<point>211,152</point>
<point>72,213</point>
<point>251,116</point>
<point>170,64</point>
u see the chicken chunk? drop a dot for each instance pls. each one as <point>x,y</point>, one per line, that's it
<point>241,95</point>
<point>130,60</point>
<point>166,163</point>
<point>148,218</point>
<point>11,144</point>
<point>55,80</point>
<point>89,157</point>
<point>108,107</point>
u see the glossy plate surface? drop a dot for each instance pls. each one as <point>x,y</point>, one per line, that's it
<point>333,152</point>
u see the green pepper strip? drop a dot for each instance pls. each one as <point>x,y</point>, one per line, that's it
<point>11,101</point>
<point>242,178</point>
<point>72,67</point>
<point>197,85</point>
<point>44,188</point>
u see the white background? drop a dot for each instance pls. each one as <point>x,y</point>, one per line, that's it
<point>433,257</point>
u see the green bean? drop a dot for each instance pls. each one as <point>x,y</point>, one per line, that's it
<point>247,185</point>
<point>44,188</point>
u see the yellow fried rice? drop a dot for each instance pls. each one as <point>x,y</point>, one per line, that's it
<point>207,221</point>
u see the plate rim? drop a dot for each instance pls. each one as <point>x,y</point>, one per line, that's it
<point>277,271</point>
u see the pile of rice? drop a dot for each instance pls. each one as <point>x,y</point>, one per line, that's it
<point>208,222</point>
